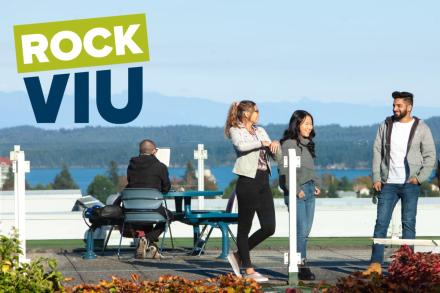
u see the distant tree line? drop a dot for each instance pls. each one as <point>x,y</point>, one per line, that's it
<point>111,182</point>
<point>331,186</point>
<point>104,185</point>
<point>336,146</point>
<point>62,180</point>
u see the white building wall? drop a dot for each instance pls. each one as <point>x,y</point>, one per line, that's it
<point>49,216</point>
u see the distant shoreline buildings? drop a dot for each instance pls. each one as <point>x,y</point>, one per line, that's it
<point>5,164</point>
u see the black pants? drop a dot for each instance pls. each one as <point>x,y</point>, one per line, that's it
<point>152,232</point>
<point>254,196</point>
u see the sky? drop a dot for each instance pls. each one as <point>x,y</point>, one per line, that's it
<point>329,51</point>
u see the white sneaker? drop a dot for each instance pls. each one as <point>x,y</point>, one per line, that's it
<point>153,253</point>
<point>232,258</point>
<point>259,278</point>
<point>141,249</point>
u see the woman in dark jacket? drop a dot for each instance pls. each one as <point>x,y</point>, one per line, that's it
<point>299,136</point>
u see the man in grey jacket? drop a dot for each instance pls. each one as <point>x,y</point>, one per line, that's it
<point>403,157</point>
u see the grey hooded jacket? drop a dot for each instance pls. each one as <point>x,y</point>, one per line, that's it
<point>420,154</point>
<point>305,173</point>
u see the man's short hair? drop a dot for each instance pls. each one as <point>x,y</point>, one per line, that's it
<point>406,96</point>
<point>147,146</point>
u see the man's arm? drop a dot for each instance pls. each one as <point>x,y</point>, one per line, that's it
<point>377,157</point>
<point>427,149</point>
<point>165,180</point>
<point>129,173</point>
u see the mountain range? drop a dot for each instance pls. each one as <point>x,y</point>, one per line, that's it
<point>162,110</point>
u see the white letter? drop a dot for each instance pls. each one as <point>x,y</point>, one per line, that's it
<point>122,40</point>
<point>37,50</point>
<point>88,42</point>
<point>73,38</point>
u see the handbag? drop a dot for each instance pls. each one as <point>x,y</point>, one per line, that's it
<point>107,215</point>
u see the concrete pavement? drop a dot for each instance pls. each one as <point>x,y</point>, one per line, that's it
<point>328,264</point>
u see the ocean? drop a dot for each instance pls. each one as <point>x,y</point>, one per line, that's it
<point>84,176</point>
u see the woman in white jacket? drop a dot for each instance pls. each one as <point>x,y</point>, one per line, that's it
<point>253,147</point>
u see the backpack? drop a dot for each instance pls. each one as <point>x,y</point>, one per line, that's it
<point>106,215</point>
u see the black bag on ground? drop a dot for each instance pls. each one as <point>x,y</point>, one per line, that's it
<point>107,215</point>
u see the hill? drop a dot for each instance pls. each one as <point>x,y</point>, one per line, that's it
<point>96,146</point>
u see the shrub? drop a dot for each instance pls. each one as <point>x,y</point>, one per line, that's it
<point>418,270</point>
<point>408,272</point>
<point>34,277</point>
<point>221,284</point>
<point>26,277</point>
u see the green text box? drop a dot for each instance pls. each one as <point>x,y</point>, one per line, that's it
<point>81,27</point>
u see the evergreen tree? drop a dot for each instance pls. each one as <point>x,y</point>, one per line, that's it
<point>41,186</point>
<point>189,178</point>
<point>345,184</point>
<point>332,191</point>
<point>228,190</point>
<point>112,174</point>
<point>101,187</point>
<point>64,180</point>
<point>330,186</point>
<point>9,182</point>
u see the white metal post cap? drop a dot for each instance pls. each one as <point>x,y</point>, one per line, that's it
<point>286,161</point>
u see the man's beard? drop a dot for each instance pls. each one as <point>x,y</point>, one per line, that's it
<point>401,115</point>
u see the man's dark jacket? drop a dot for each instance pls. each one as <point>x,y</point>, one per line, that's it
<point>146,171</point>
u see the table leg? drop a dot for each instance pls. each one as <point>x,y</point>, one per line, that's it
<point>89,254</point>
<point>196,234</point>
<point>225,239</point>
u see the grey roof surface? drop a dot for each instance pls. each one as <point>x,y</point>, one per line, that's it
<point>327,263</point>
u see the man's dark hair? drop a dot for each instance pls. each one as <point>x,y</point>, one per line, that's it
<point>406,96</point>
<point>147,146</point>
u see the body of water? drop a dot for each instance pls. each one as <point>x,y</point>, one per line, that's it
<point>84,176</point>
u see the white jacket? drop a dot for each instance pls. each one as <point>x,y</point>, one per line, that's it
<point>248,150</point>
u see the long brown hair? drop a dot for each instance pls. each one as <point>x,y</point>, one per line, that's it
<point>236,114</point>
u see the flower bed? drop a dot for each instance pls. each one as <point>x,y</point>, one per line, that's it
<point>223,283</point>
<point>408,272</point>
<point>42,275</point>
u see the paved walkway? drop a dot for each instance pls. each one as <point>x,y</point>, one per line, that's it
<point>327,263</point>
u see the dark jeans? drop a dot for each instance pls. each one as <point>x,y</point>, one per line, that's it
<point>152,232</point>
<point>305,213</point>
<point>387,200</point>
<point>254,196</point>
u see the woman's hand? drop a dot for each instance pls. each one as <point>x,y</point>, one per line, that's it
<point>274,146</point>
<point>317,191</point>
<point>301,194</point>
<point>265,143</point>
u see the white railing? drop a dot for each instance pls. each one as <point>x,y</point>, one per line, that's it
<point>19,168</point>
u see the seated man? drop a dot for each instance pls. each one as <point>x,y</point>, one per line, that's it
<point>146,171</point>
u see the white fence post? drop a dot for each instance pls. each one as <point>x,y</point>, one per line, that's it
<point>293,162</point>
<point>19,168</point>
<point>201,155</point>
